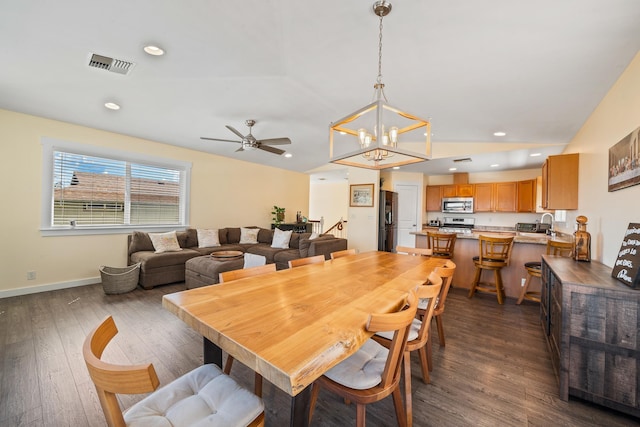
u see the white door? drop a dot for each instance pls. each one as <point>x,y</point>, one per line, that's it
<point>407,213</point>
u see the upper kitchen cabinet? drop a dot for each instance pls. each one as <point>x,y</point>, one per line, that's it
<point>483,197</point>
<point>457,190</point>
<point>527,195</point>
<point>506,196</point>
<point>560,182</point>
<point>434,198</point>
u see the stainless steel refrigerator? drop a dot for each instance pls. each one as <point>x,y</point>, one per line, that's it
<point>387,220</point>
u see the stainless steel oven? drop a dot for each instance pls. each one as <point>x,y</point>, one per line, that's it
<point>457,205</point>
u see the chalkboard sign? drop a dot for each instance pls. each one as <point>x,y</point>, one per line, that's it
<point>627,266</point>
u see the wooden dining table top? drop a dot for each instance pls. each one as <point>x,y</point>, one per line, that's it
<point>293,325</point>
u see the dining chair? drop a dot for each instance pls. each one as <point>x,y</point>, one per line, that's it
<point>318,259</point>
<point>342,253</point>
<point>229,276</point>
<point>534,268</point>
<point>373,372</point>
<point>493,254</point>
<point>414,251</point>
<point>442,244</point>
<point>418,336</point>
<point>203,395</point>
<point>445,272</point>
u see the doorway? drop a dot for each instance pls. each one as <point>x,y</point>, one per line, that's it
<point>408,215</point>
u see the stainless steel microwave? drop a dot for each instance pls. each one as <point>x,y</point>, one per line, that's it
<point>457,205</point>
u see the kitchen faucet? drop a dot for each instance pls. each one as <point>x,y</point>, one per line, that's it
<point>542,221</point>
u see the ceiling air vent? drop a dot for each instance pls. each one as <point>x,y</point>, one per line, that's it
<point>111,64</point>
<point>466,159</point>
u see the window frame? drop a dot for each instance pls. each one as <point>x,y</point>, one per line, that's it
<point>51,145</point>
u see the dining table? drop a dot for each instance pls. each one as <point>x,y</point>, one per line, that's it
<point>293,325</point>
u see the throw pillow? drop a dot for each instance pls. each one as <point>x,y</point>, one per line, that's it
<point>208,238</point>
<point>249,235</point>
<point>281,239</point>
<point>165,242</point>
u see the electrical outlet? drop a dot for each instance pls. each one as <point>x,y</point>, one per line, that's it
<point>522,281</point>
<point>31,275</point>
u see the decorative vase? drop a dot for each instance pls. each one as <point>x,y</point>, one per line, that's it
<point>582,240</point>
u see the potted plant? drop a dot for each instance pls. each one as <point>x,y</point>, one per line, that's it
<point>278,215</point>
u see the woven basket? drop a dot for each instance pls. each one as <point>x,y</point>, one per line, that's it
<point>118,280</point>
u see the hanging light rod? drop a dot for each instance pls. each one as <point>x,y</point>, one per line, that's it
<point>379,136</point>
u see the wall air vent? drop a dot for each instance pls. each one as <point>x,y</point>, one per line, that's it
<point>111,64</point>
<point>466,159</point>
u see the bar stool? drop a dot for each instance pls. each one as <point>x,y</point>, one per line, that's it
<point>494,253</point>
<point>442,244</point>
<point>534,268</point>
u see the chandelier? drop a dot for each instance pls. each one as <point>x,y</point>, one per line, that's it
<point>379,136</point>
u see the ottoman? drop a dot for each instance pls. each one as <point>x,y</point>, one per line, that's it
<point>203,270</point>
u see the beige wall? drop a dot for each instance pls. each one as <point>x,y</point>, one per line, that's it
<point>329,200</point>
<point>224,192</point>
<point>609,213</point>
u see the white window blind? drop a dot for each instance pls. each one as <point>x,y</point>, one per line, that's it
<point>94,191</point>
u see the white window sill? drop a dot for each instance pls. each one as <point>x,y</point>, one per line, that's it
<point>85,230</point>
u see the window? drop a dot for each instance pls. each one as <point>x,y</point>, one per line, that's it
<point>92,189</point>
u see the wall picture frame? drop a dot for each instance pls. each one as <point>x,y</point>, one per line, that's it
<point>361,195</point>
<point>624,162</point>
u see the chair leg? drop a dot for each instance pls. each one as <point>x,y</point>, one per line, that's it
<point>361,414</point>
<point>476,280</point>
<point>257,385</point>
<point>429,354</point>
<point>440,329</point>
<point>499,288</point>
<point>424,366</point>
<point>524,289</point>
<point>227,366</point>
<point>315,389</point>
<point>406,371</point>
<point>404,419</point>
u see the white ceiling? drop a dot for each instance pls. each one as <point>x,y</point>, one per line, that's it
<point>535,70</point>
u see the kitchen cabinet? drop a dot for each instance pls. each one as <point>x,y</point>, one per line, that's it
<point>457,190</point>
<point>560,182</point>
<point>434,198</point>
<point>506,196</point>
<point>483,197</point>
<point>590,321</point>
<point>527,195</point>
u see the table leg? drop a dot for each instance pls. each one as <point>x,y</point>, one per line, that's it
<point>212,353</point>
<point>300,408</point>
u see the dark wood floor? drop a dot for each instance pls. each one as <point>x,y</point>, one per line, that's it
<point>494,371</point>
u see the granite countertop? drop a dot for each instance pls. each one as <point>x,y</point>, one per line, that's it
<point>519,236</point>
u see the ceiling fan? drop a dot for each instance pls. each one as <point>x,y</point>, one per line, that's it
<point>249,142</point>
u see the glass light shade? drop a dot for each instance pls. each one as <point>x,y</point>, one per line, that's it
<point>353,139</point>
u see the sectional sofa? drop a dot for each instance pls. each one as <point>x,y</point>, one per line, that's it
<point>169,267</point>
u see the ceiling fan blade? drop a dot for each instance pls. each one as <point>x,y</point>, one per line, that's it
<point>275,141</point>
<point>216,139</point>
<point>270,149</point>
<point>234,130</point>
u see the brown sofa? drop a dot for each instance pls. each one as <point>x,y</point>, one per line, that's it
<point>169,267</point>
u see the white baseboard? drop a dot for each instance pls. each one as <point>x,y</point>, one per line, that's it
<point>48,287</point>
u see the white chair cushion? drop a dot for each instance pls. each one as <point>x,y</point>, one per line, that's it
<point>422,304</point>
<point>363,369</point>
<point>252,260</point>
<point>413,332</point>
<point>202,397</point>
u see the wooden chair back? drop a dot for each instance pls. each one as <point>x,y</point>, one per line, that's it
<point>345,252</point>
<point>556,247</point>
<point>494,251</point>
<point>429,292</point>
<point>318,259</point>
<point>111,379</point>
<point>228,276</point>
<point>400,322</point>
<point>442,244</point>
<point>446,274</point>
<point>414,251</point>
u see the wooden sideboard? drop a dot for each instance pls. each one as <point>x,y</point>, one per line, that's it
<point>592,325</point>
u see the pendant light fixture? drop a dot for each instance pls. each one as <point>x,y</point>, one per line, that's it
<point>379,136</point>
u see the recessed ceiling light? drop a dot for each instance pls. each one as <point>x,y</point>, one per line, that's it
<point>342,133</point>
<point>154,50</point>
<point>396,168</point>
<point>453,169</point>
<point>495,165</point>
<point>534,154</point>
<point>288,155</point>
<point>499,133</point>
<point>112,106</point>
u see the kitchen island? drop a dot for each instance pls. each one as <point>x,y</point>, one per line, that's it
<point>527,247</point>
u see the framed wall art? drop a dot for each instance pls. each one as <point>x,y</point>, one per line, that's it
<point>624,162</point>
<point>361,195</point>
